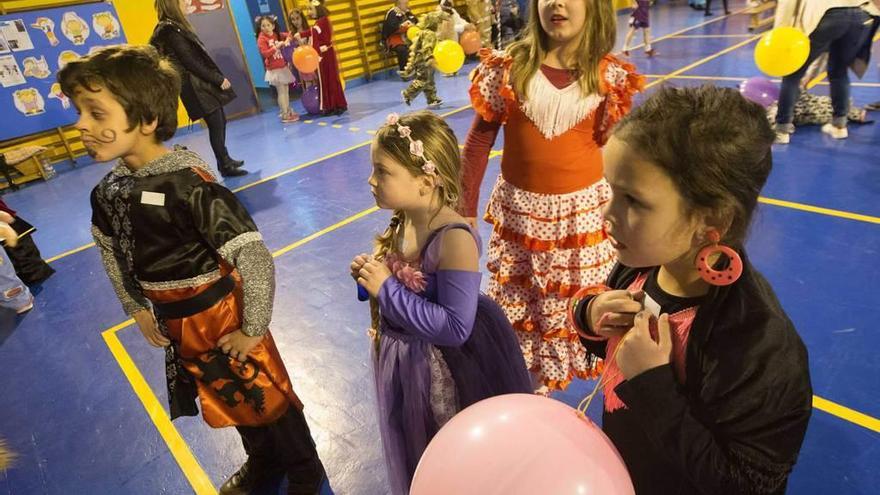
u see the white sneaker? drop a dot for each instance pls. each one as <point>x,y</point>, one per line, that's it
<point>782,137</point>
<point>835,132</point>
<point>27,307</point>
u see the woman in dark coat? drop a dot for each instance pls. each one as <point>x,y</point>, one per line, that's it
<point>204,90</point>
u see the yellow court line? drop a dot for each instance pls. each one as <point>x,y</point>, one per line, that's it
<point>191,468</point>
<point>684,30</point>
<point>271,177</point>
<point>700,36</point>
<point>846,413</point>
<point>302,166</point>
<point>791,204</point>
<point>329,229</point>
<point>819,210</point>
<point>740,79</point>
<point>703,61</point>
<point>72,251</point>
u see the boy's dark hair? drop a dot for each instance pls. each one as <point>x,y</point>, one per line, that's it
<point>714,145</point>
<point>141,80</point>
<point>258,25</point>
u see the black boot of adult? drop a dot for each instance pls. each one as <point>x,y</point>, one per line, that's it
<point>231,168</point>
<point>216,122</point>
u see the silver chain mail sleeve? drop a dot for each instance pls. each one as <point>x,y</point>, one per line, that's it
<point>257,269</point>
<point>126,288</point>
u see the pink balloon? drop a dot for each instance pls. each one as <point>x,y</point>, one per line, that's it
<point>521,444</point>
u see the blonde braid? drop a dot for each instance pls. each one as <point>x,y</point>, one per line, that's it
<point>386,243</point>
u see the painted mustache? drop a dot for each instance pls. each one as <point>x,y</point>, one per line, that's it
<point>107,136</point>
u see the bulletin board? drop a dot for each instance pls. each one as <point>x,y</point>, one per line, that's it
<point>34,45</point>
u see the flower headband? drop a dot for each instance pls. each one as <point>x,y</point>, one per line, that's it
<point>415,145</point>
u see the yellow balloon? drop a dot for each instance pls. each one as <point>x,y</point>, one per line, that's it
<point>782,51</point>
<point>448,56</point>
<point>412,32</point>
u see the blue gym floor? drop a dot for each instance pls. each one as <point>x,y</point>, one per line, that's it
<point>83,399</point>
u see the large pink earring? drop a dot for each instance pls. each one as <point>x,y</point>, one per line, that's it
<point>725,277</point>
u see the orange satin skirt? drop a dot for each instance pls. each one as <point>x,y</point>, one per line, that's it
<point>253,393</point>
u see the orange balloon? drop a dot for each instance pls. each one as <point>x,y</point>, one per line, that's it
<point>471,42</point>
<point>305,59</point>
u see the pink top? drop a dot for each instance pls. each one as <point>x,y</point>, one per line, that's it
<point>680,324</point>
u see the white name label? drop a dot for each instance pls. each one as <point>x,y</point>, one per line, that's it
<point>152,198</point>
<point>652,306</point>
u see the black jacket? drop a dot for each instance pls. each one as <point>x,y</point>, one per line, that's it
<point>737,424</point>
<point>393,19</point>
<point>200,77</point>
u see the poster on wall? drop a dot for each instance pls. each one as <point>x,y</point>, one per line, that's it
<point>65,57</point>
<point>202,6</point>
<point>55,93</point>
<point>106,25</point>
<point>16,35</point>
<point>74,28</point>
<point>47,26</point>
<point>36,67</point>
<point>40,43</point>
<point>10,74</point>
<point>29,102</point>
<point>4,48</point>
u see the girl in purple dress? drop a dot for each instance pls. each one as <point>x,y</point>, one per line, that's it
<point>440,345</point>
<point>640,19</point>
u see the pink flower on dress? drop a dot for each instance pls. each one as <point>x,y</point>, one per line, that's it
<point>414,280</point>
<point>411,278</point>
<point>392,119</point>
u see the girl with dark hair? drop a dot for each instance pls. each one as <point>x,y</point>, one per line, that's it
<point>706,381</point>
<point>321,36</point>
<point>271,42</point>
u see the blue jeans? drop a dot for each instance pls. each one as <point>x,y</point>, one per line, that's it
<point>842,33</point>
<point>13,293</point>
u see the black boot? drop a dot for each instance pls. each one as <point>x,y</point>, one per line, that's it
<point>228,171</point>
<point>251,476</point>
<point>230,163</point>
<point>232,172</point>
<point>230,168</point>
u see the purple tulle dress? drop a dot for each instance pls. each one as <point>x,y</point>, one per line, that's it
<point>641,15</point>
<point>440,350</point>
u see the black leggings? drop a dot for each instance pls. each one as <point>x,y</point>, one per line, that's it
<point>402,53</point>
<point>285,446</point>
<point>216,122</point>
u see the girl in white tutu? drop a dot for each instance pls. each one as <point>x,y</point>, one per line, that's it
<point>271,41</point>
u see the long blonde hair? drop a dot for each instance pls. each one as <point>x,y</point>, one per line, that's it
<point>169,10</point>
<point>597,40</point>
<point>441,147</point>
